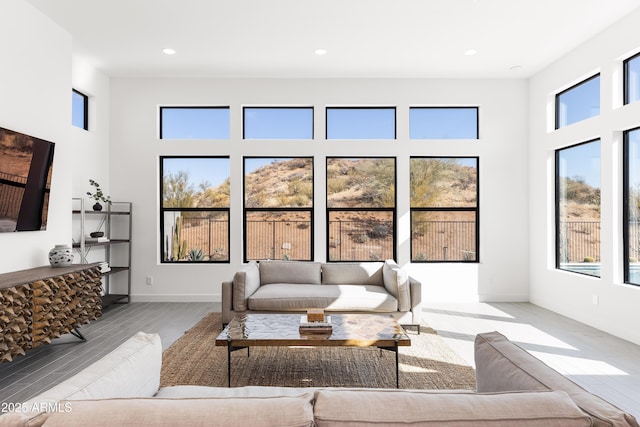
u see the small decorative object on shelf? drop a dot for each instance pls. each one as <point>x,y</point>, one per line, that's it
<point>96,234</point>
<point>98,196</point>
<point>61,256</point>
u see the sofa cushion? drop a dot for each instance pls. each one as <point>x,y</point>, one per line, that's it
<point>245,282</point>
<point>289,272</point>
<point>396,281</point>
<point>294,411</point>
<point>289,297</point>
<point>351,273</point>
<point>503,366</point>
<point>182,391</point>
<point>131,370</point>
<point>366,408</point>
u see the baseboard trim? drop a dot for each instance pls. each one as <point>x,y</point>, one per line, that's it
<point>503,298</point>
<point>176,298</point>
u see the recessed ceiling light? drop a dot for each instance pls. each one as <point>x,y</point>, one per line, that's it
<point>168,51</point>
<point>320,51</point>
<point>516,68</point>
<point>471,52</point>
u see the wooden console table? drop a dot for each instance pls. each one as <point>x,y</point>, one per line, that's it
<point>43,303</point>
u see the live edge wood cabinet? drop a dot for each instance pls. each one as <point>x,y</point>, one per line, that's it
<point>43,303</point>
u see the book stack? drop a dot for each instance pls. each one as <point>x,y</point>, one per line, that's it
<point>96,239</point>
<point>315,322</point>
<point>104,267</point>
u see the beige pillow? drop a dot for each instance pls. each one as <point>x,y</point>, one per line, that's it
<point>295,272</point>
<point>367,408</point>
<point>245,282</point>
<point>352,273</point>
<point>396,282</point>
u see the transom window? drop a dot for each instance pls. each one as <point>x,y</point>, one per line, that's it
<point>579,102</point>
<point>443,123</point>
<point>631,213</point>
<point>361,208</point>
<point>277,123</point>
<point>444,209</point>
<point>194,212</point>
<point>79,109</point>
<point>578,208</point>
<point>278,208</point>
<point>632,79</point>
<point>194,123</point>
<point>361,123</point>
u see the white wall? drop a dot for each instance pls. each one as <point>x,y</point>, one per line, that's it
<point>91,147</point>
<point>135,149</point>
<point>568,293</point>
<point>35,99</point>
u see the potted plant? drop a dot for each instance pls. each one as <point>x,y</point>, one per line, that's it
<point>98,196</point>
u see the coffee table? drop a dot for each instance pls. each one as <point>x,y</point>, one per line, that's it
<point>282,330</point>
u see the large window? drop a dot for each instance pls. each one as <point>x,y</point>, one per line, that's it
<point>79,109</point>
<point>278,208</point>
<point>578,208</point>
<point>632,79</point>
<point>361,123</point>
<point>579,102</point>
<point>194,213</point>
<point>194,123</point>
<point>277,123</point>
<point>361,200</point>
<point>443,123</point>
<point>444,209</point>
<point>632,206</point>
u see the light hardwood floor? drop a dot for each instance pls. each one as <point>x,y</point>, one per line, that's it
<point>601,363</point>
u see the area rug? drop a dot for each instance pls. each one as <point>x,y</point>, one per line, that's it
<point>429,363</point>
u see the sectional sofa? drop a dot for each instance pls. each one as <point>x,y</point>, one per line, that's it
<point>121,389</point>
<point>294,286</point>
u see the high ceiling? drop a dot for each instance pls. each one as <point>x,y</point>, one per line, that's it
<point>363,38</point>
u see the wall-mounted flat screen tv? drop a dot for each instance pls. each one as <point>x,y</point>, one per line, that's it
<point>26,163</point>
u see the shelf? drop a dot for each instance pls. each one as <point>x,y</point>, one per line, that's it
<point>110,242</point>
<point>109,299</point>
<point>114,220</point>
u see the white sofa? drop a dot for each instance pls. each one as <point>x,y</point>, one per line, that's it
<point>295,286</point>
<point>121,389</point>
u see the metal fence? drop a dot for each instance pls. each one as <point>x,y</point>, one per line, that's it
<point>443,241</point>
<point>360,240</point>
<point>11,192</point>
<point>278,239</point>
<point>579,241</point>
<point>634,241</point>
<point>209,235</point>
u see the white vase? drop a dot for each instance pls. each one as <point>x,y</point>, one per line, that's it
<point>61,256</point>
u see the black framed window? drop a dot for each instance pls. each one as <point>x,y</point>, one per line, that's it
<point>578,208</point>
<point>361,123</point>
<point>194,209</point>
<point>632,79</point>
<point>277,123</point>
<point>190,122</point>
<point>79,109</point>
<point>444,209</point>
<point>361,208</point>
<point>443,123</point>
<point>631,209</point>
<point>278,208</point>
<point>579,102</point>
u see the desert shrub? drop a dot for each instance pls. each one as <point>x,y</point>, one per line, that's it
<point>589,259</point>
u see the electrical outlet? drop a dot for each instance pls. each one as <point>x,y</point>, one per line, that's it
<point>149,280</point>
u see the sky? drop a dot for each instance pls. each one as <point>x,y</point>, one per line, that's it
<point>582,160</point>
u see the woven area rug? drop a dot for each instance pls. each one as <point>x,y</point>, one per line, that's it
<point>428,363</point>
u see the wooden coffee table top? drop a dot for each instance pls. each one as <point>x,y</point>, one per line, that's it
<point>358,330</point>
